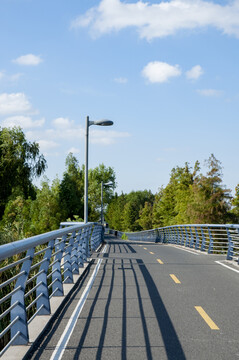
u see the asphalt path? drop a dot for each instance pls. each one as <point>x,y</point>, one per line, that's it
<point>148,301</point>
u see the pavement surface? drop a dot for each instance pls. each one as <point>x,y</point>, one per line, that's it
<point>148,301</point>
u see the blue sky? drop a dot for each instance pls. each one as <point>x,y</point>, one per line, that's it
<point>166,73</point>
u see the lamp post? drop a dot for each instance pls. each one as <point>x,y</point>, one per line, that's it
<point>88,124</point>
<point>102,187</point>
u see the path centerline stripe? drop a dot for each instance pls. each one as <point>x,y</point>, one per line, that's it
<point>151,252</point>
<point>65,337</point>
<point>145,248</point>
<point>175,279</point>
<point>159,261</point>
<point>206,318</point>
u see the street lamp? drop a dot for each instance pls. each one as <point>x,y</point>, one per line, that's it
<point>102,186</point>
<point>103,122</point>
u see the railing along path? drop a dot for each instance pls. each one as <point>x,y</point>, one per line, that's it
<point>213,238</point>
<point>33,270</point>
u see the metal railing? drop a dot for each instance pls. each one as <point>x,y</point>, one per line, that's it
<point>33,270</point>
<point>213,238</point>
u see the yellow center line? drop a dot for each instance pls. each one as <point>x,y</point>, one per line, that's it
<point>140,245</point>
<point>151,252</point>
<point>175,279</point>
<point>206,318</point>
<point>159,261</point>
<point>145,248</point>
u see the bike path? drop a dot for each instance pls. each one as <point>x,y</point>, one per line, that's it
<point>150,301</point>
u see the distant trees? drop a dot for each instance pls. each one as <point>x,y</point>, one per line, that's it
<point>189,197</point>
<point>25,210</point>
<point>126,210</point>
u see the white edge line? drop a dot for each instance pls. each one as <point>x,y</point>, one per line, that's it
<point>228,267</point>
<point>65,337</point>
<point>192,252</point>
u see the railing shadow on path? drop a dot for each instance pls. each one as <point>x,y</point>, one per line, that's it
<point>41,343</point>
<point>170,339</point>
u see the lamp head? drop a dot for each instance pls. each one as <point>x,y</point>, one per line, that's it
<point>103,122</point>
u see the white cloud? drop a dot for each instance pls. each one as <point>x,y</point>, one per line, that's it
<point>28,60</point>
<point>25,122</point>
<point>210,92</point>
<point>73,150</point>
<point>62,123</point>
<point>9,78</point>
<point>106,137</point>
<point>160,72</point>
<point>162,19</point>
<point>14,103</point>
<point>121,80</point>
<point>46,145</point>
<point>194,73</point>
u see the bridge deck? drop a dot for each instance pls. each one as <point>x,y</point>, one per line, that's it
<point>137,309</point>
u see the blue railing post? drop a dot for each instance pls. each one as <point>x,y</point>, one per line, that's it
<point>197,238</point>
<point>57,286</point>
<point>187,237</point>
<point>43,303</point>
<point>74,255</point>
<point>178,236</point>
<point>230,246</point>
<point>210,247</point>
<point>182,238</point>
<point>68,276</point>
<point>18,313</point>
<point>192,237</point>
<point>203,245</point>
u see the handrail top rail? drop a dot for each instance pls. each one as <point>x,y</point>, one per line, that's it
<point>234,226</point>
<point>19,246</point>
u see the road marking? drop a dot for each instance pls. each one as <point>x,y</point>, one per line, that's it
<point>151,252</point>
<point>228,267</point>
<point>206,318</point>
<point>65,337</point>
<point>140,245</point>
<point>175,279</point>
<point>159,261</point>
<point>145,248</point>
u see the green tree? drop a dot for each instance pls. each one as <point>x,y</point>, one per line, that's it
<point>96,176</point>
<point>210,200</point>
<point>71,189</point>
<point>145,216</point>
<point>20,163</point>
<point>114,213</point>
<point>46,212</point>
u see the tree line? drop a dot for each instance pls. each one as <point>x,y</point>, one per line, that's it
<point>190,197</point>
<point>27,210</point>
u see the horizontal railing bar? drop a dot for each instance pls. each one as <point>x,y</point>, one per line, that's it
<point>41,251</point>
<point>33,289</point>
<point>19,246</point>
<point>9,326</point>
<point>9,343</point>
<point>37,264</point>
<point>33,316</point>
<point>34,301</point>
<point>15,277</point>
<point>9,309</point>
<point>51,273</point>
<point>53,282</point>
<point>53,292</point>
<point>2,300</point>
<point>34,276</point>
<point>7,267</point>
